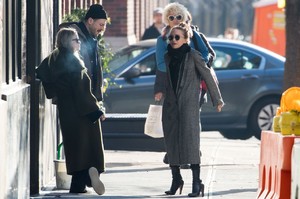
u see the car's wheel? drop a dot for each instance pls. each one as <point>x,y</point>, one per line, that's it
<point>261,115</point>
<point>242,134</point>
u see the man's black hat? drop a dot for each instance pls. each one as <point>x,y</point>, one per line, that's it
<point>96,11</point>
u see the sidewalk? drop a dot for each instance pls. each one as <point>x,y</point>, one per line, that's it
<point>229,171</point>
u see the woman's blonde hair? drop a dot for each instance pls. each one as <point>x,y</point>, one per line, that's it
<point>175,9</point>
<point>64,38</point>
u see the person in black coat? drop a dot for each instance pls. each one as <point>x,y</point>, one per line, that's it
<point>64,77</point>
<point>185,68</point>
<point>153,31</point>
<point>93,25</point>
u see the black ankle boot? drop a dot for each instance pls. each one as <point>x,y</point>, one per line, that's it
<point>177,182</point>
<point>198,187</point>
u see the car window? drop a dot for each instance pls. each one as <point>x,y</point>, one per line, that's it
<point>124,55</point>
<point>233,59</point>
<point>146,66</point>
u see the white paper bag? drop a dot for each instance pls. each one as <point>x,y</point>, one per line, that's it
<point>153,124</point>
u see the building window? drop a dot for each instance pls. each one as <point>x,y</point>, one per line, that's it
<point>11,41</point>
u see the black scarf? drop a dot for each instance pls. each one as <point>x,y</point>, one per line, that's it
<point>177,58</point>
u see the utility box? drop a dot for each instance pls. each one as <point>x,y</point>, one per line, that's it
<point>295,183</point>
<point>269,26</point>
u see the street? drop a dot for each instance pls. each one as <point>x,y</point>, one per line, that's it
<point>229,170</point>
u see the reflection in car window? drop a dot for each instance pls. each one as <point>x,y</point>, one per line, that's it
<point>124,55</point>
<point>233,59</point>
<point>147,66</point>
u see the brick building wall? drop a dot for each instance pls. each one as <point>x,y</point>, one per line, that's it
<point>129,19</point>
<point>68,5</point>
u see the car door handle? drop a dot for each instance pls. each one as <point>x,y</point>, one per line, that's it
<point>250,76</point>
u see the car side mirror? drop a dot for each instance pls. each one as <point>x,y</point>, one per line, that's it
<point>132,73</point>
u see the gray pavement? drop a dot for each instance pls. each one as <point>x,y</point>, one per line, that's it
<point>229,171</point>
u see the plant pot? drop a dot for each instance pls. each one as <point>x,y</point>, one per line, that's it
<point>63,180</point>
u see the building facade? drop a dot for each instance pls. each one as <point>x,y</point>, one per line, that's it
<point>29,132</point>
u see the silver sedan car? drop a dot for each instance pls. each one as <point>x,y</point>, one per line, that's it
<point>250,80</point>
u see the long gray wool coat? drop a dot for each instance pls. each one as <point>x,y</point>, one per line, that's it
<point>67,80</point>
<point>180,115</point>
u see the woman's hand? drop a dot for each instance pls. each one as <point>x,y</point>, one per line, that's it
<point>158,96</point>
<point>102,117</point>
<point>219,107</point>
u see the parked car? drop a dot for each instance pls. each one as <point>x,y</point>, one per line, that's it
<point>250,80</point>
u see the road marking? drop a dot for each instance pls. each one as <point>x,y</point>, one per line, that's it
<point>211,172</point>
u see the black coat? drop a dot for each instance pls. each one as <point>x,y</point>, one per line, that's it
<point>68,81</point>
<point>89,52</point>
<point>151,33</point>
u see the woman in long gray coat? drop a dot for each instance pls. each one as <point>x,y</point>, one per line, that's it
<point>64,77</point>
<point>180,118</point>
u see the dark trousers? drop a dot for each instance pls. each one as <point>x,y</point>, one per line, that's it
<point>80,179</point>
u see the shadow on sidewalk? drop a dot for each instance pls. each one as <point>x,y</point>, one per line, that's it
<point>136,170</point>
<point>92,195</point>
<point>231,191</point>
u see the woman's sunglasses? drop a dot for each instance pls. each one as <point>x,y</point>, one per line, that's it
<point>171,37</point>
<point>178,17</point>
